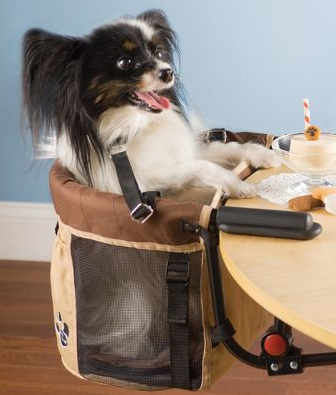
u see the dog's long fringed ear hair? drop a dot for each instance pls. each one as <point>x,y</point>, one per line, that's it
<point>159,21</point>
<point>51,104</point>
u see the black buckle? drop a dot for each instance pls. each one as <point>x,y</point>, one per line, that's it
<point>142,212</point>
<point>177,273</point>
<point>177,278</point>
<point>215,135</point>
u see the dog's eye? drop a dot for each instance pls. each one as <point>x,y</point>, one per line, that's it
<point>125,63</point>
<point>159,53</point>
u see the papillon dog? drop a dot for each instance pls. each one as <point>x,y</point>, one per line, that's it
<point>119,85</point>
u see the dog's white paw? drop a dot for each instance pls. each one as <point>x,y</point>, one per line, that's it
<point>261,157</point>
<point>241,189</point>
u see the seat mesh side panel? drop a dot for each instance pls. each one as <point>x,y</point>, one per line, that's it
<point>121,296</point>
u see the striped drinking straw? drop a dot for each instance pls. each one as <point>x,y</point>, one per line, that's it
<point>306,112</point>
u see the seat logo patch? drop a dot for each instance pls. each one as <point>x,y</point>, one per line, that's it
<point>62,330</point>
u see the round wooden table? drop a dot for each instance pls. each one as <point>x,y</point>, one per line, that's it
<point>292,279</point>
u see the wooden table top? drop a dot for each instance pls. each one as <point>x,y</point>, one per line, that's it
<point>292,279</point>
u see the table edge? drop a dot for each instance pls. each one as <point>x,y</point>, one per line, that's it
<point>274,307</point>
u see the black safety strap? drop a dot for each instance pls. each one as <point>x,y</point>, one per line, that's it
<point>141,205</point>
<point>178,275</point>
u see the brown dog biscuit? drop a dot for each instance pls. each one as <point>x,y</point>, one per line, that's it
<point>304,203</point>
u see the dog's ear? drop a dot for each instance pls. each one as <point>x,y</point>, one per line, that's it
<point>156,18</point>
<point>48,72</point>
<point>46,54</point>
<point>51,102</point>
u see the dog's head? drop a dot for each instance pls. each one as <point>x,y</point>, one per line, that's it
<point>70,83</point>
<point>129,62</point>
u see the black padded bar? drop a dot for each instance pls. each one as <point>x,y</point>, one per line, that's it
<point>267,223</point>
<point>264,218</point>
<point>284,233</point>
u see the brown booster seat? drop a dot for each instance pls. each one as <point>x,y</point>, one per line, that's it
<point>141,305</point>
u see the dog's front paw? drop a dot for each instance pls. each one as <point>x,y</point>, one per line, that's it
<point>261,157</point>
<point>241,189</point>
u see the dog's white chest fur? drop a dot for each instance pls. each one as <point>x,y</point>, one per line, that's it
<point>165,154</point>
<point>164,145</point>
<point>157,144</point>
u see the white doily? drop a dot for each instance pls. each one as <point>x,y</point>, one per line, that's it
<point>274,187</point>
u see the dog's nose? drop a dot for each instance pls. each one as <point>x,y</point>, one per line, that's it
<point>166,75</point>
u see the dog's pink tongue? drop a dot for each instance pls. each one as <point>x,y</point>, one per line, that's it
<point>154,100</point>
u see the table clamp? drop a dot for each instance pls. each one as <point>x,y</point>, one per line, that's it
<point>278,354</point>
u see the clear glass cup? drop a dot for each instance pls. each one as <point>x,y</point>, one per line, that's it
<point>313,159</point>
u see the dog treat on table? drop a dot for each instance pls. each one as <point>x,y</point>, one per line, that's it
<point>321,197</point>
<point>328,196</point>
<point>321,193</point>
<point>305,203</point>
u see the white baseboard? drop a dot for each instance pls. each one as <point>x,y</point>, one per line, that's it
<point>26,231</point>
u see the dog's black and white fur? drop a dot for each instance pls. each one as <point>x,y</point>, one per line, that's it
<point>118,84</point>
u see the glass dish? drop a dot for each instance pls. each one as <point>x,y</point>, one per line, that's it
<point>313,159</point>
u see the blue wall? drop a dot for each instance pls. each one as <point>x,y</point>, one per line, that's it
<point>246,64</point>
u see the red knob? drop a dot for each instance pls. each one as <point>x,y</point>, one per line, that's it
<point>275,345</point>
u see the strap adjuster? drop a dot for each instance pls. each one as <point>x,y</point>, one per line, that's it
<point>177,273</point>
<point>142,212</point>
<point>215,135</point>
